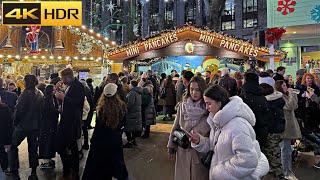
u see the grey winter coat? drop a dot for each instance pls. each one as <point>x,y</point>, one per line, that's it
<point>237,153</point>
<point>292,128</point>
<point>133,117</point>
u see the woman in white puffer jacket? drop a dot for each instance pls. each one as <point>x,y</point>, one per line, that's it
<point>237,153</point>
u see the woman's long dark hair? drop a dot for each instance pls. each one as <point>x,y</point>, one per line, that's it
<point>168,81</point>
<point>201,83</point>
<point>278,86</point>
<point>111,110</point>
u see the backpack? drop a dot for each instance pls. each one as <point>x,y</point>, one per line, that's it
<point>146,97</point>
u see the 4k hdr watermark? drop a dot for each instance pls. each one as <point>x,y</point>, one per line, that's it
<point>45,13</point>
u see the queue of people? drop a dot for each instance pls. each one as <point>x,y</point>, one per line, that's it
<point>224,126</point>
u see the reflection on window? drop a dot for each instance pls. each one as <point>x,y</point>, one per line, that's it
<point>247,37</point>
<point>191,11</point>
<point>168,15</point>
<point>229,8</point>
<point>250,6</point>
<point>228,18</point>
<point>228,25</point>
<point>249,23</point>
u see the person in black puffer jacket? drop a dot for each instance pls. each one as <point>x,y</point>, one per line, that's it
<point>251,94</point>
<point>276,128</point>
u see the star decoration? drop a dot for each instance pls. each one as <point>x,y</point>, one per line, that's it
<point>111,7</point>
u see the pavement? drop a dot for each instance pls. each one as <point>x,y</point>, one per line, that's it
<point>149,160</point>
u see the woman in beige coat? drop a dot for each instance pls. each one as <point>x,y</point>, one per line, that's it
<point>292,129</point>
<point>191,115</point>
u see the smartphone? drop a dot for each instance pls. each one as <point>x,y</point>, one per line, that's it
<point>188,133</point>
<point>310,89</point>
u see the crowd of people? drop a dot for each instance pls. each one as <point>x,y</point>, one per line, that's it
<point>225,126</point>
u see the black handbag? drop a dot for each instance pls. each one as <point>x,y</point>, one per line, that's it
<point>206,159</point>
<point>181,139</point>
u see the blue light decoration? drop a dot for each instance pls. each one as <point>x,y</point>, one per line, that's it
<point>315,14</point>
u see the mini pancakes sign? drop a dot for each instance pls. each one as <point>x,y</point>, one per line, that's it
<point>194,34</point>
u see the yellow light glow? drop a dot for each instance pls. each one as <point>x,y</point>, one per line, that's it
<point>43,57</point>
<point>9,56</point>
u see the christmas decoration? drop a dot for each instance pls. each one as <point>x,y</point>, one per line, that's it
<point>286,6</point>
<point>111,7</point>
<point>315,14</point>
<point>99,40</point>
<point>274,34</point>
<point>85,45</point>
<point>32,37</point>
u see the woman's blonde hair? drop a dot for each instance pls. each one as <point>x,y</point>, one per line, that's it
<point>111,110</point>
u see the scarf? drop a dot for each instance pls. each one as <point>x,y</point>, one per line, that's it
<point>193,111</point>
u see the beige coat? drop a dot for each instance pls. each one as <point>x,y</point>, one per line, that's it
<point>292,128</point>
<point>188,161</point>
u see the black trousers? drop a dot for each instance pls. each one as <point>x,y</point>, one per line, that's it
<point>3,158</point>
<point>85,132</point>
<point>147,131</point>
<point>17,137</point>
<point>89,118</point>
<point>131,136</point>
<point>70,158</point>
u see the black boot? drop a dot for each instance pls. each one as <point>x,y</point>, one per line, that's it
<point>33,175</point>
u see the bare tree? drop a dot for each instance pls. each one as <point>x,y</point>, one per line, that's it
<point>216,8</point>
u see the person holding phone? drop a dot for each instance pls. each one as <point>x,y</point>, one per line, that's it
<point>191,115</point>
<point>307,109</point>
<point>236,152</point>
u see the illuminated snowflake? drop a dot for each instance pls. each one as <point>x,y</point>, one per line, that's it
<point>286,6</point>
<point>315,13</point>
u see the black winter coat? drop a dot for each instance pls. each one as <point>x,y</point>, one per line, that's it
<point>308,110</point>
<point>29,109</point>
<point>6,125</point>
<point>105,159</point>
<point>275,105</point>
<point>48,129</point>
<point>9,98</point>
<point>69,128</point>
<point>252,95</point>
<point>229,84</point>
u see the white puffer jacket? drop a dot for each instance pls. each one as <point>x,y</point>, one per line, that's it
<point>237,153</point>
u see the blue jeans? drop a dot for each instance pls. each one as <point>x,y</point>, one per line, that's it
<point>286,155</point>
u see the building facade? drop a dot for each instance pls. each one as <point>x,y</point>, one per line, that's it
<point>142,18</point>
<point>302,38</point>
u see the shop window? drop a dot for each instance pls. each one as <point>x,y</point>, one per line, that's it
<point>228,25</point>
<point>250,6</point>
<point>250,23</point>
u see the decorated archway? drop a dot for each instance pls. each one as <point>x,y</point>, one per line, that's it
<point>189,40</point>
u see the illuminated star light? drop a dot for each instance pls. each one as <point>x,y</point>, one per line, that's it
<point>111,7</point>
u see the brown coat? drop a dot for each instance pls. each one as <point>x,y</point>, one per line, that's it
<point>292,128</point>
<point>170,99</point>
<point>188,161</point>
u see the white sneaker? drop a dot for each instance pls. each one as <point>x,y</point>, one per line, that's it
<point>290,176</point>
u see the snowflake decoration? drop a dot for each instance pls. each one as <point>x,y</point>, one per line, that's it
<point>286,6</point>
<point>111,7</point>
<point>85,45</point>
<point>315,14</point>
